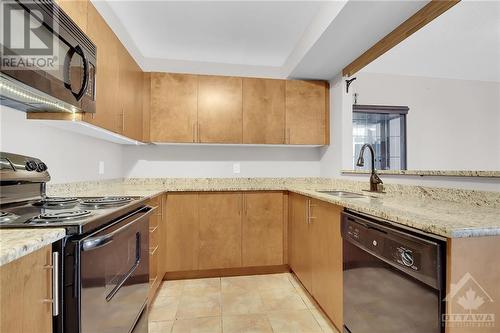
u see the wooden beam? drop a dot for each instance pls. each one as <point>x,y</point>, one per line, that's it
<point>418,20</point>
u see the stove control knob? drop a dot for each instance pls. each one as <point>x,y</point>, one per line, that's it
<point>407,258</point>
<point>41,167</point>
<point>31,165</point>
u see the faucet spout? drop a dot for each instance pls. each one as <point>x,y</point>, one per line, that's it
<point>375,181</point>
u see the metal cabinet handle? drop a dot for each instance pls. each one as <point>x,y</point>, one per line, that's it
<point>152,250</point>
<point>309,212</point>
<point>55,283</point>
<point>194,132</point>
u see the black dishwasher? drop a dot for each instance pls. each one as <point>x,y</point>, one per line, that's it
<point>393,278</point>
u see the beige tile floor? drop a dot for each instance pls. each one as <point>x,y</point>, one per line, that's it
<point>260,303</point>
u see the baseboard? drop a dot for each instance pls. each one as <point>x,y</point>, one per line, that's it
<point>224,272</point>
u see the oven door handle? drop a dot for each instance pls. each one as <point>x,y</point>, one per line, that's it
<point>113,292</point>
<point>100,241</point>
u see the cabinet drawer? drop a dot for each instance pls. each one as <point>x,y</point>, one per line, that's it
<point>153,264</point>
<point>154,221</point>
<point>154,236</point>
<point>157,203</point>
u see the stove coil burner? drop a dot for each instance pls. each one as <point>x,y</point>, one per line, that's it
<point>58,201</point>
<point>6,217</point>
<point>60,216</point>
<point>105,201</point>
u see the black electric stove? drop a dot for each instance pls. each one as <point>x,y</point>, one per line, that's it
<point>101,282</point>
<point>77,215</point>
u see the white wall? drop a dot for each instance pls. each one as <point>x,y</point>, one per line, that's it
<point>338,155</point>
<point>69,156</point>
<point>217,161</point>
<point>452,124</point>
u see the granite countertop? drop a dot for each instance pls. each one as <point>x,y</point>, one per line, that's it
<point>422,173</point>
<point>15,243</point>
<point>449,213</point>
<point>443,218</point>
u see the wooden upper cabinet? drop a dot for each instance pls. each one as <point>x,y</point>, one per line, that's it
<point>263,111</point>
<point>262,229</point>
<point>108,110</point>
<point>182,232</point>
<point>219,109</point>
<point>77,11</point>
<point>130,95</point>
<point>174,107</point>
<point>307,112</point>
<point>25,287</point>
<point>220,230</point>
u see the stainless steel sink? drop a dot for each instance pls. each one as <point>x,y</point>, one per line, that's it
<point>344,194</point>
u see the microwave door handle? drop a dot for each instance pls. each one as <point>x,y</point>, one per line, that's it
<point>67,79</point>
<point>100,241</point>
<point>85,82</point>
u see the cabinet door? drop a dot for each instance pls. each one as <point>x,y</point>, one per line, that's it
<point>25,284</point>
<point>174,107</point>
<point>263,111</point>
<point>300,247</point>
<point>108,110</point>
<point>262,229</point>
<point>76,10</point>
<point>306,112</point>
<point>130,92</point>
<point>326,257</point>
<point>219,109</point>
<point>220,230</point>
<point>182,232</point>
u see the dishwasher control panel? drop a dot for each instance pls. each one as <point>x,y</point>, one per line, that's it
<point>406,251</point>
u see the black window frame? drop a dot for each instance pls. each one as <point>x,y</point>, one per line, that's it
<point>389,109</point>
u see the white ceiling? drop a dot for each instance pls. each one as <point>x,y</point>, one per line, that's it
<point>463,43</point>
<point>245,33</point>
<point>307,39</point>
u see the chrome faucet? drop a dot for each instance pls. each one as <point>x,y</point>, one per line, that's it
<point>376,184</point>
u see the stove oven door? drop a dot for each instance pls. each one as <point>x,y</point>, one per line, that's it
<point>114,275</point>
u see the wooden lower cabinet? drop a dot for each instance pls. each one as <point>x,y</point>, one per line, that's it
<point>25,288</point>
<point>262,229</point>
<point>326,258</point>
<point>300,247</point>
<point>316,252</point>
<point>223,230</point>
<point>182,232</point>
<point>157,245</point>
<point>220,230</point>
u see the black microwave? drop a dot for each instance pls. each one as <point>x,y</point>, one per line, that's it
<point>48,63</point>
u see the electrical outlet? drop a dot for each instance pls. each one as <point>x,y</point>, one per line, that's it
<point>236,168</point>
<point>101,167</point>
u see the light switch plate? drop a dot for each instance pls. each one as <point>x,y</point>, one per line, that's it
<point>236,168</point>
<point>101,167</point>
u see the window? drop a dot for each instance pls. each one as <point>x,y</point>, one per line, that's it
<point>385,128</point>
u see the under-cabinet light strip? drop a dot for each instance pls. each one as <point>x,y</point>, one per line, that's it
<point>31,97</point>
